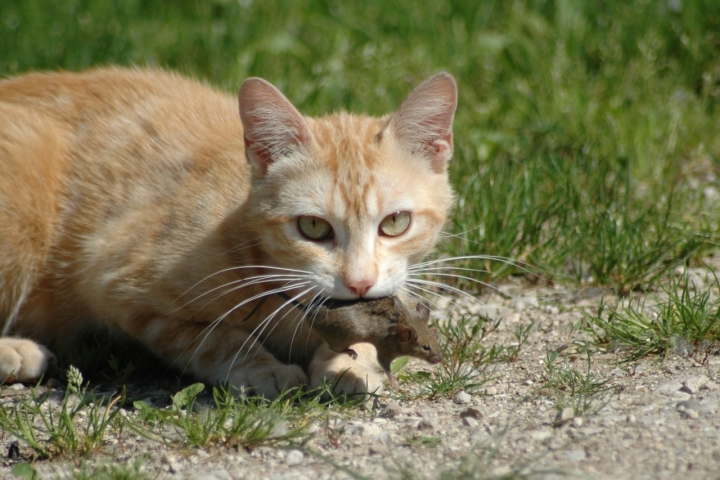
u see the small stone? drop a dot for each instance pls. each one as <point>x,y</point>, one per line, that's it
<point>378,449</point>
<point>502,471</point>
<point>426,424</point>
<point>692,414</point>
<point>364,430</point>
<point>462,397</point>
<point>294,457</point>
<point>481,437</point>
<point>630,418</point>
<point>214,475</point>
<point>577,422</point>
<point>17,386</point>
<point>711,386</point>
<point>687,405</point>
<point>644,399</point>
<point>472,412</point>
<point>564,416</point>
<point>382,437</point>
<point>171,461</point>
<point>53,383</point>
<point>694,384</point>
<point>680,396</point>
<point>389,411</point>
<point>668,388</point>
<point>470,422</point>
<point>707,408</point>
<point>491,391</point>
<point>576,455</point>
<point>279,430</point>
<point>541,435</point>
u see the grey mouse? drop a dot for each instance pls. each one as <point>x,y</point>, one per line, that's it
<point>385,322</point>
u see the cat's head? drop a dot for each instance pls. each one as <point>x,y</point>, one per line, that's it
<point>349,199</point>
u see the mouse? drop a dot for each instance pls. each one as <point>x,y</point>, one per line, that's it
<point>394,329</point>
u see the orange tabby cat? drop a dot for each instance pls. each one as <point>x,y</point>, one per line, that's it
<point>141,201</point>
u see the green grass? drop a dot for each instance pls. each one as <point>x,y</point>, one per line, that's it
<point>228,421</point>
<point>687,323</point>
<point>77,426</point>
<point>585,133</point>
<point>570,387</point>
<point>466,357</point>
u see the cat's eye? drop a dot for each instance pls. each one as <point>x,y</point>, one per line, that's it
<point>395,224</point>
<point>314,228</point>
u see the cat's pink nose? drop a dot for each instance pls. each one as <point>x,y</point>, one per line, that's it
<point>360,287</point>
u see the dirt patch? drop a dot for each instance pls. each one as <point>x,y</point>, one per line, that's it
<point>578,411</point>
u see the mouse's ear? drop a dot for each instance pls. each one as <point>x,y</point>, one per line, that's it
<point>423,308</point>
<point>406,332</point>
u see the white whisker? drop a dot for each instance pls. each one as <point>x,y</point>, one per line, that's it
<point>240,267</point>
<point>442,286</point>
<point>253,281</point>
<point>255,334</point>
<point>460,277</point>
<point>495,258</point>
<point>208,330</point>
<point>435,294</point>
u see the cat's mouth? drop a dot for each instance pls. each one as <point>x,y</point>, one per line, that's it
<point>329,303</point>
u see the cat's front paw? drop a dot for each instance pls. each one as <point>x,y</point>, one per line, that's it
<point>348,376</point>
<point>268,381</point>
<point>22,360</point>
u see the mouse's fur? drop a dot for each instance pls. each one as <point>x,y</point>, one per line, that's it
<point>385,322</point>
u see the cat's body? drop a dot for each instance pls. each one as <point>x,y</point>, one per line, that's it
<point>138,200</point>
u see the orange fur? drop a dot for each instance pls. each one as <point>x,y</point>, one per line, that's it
<point>139,201</point>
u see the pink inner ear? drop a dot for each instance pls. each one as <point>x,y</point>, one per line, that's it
<point>257,154</point>
<point>272,125</point>
<point>424,121</point>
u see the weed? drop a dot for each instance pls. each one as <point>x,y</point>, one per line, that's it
<point>114,471</point>
<point>466,358</point>
<point>230,421</point>
<point>572,388</point>
<point>423,441</point>
<point>78,425</point>
<point>25,471</point>
<point>688,322</point>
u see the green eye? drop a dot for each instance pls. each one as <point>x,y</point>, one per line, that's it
<point>314,228</point>
<point>395,224</point>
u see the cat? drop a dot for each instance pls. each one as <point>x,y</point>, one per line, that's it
<point>141,201</point>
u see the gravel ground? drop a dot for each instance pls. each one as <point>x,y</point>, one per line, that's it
<point>654,419</point>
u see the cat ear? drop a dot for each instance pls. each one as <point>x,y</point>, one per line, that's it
<point>405,332</point>
<point>273,127</point>
<point>423,124</point>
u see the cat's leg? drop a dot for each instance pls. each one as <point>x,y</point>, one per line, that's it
<point>348,375</point>
<point>22,360</point>
<point>219,354</point>
<point>31,164</point>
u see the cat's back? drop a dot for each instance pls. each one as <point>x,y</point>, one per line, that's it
<point>76,97</point>
<point>143,126</point>
<point>98,165</point>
